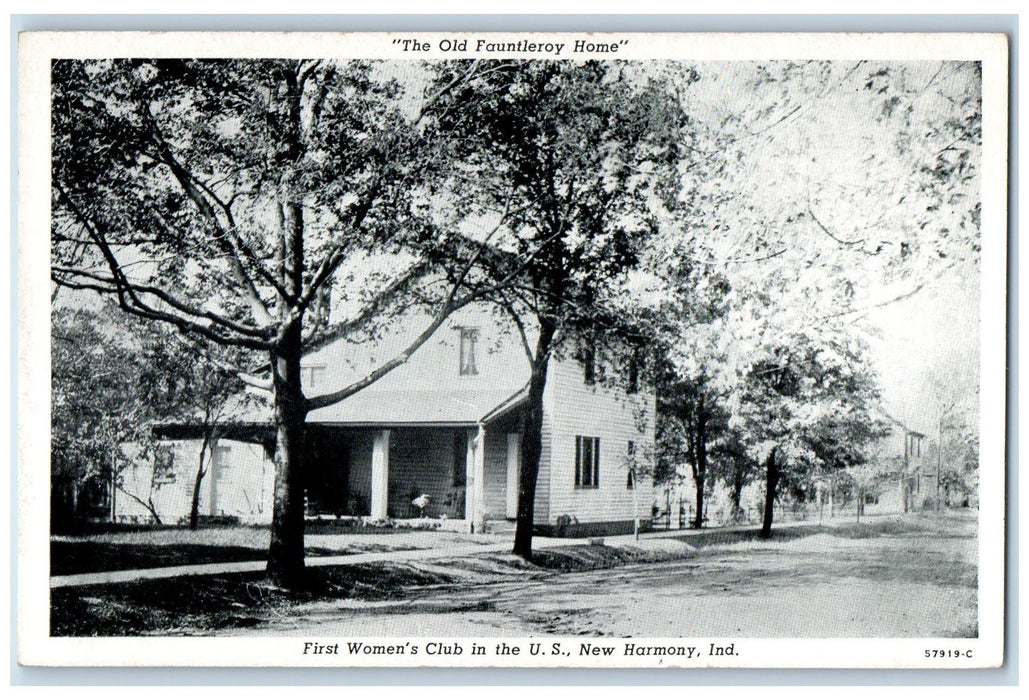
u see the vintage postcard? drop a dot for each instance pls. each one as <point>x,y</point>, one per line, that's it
<point>512,350</point>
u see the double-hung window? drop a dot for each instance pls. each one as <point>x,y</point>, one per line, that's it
<point>220,463</point>
<point>587,462</point>
<point>164,465</point>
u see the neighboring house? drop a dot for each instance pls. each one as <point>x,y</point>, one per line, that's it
<point>447,424</point>
<point>238,484</point>
<point>908,476</point>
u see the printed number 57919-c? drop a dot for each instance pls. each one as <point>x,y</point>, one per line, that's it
<point>948,653</point>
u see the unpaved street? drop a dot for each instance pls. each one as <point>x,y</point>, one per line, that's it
<point>919,581</point>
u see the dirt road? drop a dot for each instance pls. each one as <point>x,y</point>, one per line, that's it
<point>919,581</point>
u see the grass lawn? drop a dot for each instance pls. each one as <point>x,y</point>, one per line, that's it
<point>150,548</point>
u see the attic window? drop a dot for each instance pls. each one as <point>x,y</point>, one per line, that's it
<point>633,373</point>
<point>469,336</point>
<point>312,375</point>
<point>914,445</point>
<point>588,360</point>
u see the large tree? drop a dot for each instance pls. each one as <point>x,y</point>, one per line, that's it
<point>236,200</point>
<point>692,424</point>
<point>581,156</point>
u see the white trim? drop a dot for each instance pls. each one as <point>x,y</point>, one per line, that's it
<point>380,475</point>
<point>514,463</point>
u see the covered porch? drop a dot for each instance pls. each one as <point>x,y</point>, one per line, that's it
<point>467,472</point>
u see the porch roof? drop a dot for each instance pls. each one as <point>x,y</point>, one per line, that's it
<point>251,420</point>
<point>418,407</point>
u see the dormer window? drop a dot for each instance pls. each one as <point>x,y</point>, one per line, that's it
<point>469,336</point>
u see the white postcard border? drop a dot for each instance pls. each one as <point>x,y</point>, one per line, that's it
<point>35,51</point>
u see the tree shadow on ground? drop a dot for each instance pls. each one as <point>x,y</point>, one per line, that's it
<point>199,604</point>
<point>78,557</point>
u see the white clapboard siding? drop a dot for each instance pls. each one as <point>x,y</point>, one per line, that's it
<point>575,408</point>
<point>244,491</point>
<point>499,359</point>
<point>542,510</point>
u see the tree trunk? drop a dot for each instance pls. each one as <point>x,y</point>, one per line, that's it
<point>737,494</point>
<point>286,549</point>
<point>148,504</point>
<point>194,508</point>
<point>771,483</point>
<point>700,472</point>
<point>698,518</point>
<point>532,444</point>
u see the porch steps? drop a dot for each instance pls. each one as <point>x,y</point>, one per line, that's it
<point>500,527</point>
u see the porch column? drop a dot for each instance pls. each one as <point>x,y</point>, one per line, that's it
<point>213,466</point>
<point>475,476</point>
<point>380,475</point>
<point>514,467</point>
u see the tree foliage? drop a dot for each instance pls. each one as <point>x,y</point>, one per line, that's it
<point>95,406</point>
<point>578,158</point>
<point>113,379</point>
<point>792,226</point>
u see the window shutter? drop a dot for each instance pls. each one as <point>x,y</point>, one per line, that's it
<point>596,463</point>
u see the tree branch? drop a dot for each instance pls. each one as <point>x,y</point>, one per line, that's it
<point>129,300</point>
<point>900,297</point>
<point>194,191</point>
<point>829,233</point>
<point>316,402</point>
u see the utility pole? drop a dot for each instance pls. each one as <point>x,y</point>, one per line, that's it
<point>939,455</point>
<point>939,463</point>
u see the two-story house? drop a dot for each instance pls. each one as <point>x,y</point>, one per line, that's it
<point>445,425</point>
<point>907,476</point>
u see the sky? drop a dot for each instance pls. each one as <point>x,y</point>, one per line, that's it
<point>928,352</point>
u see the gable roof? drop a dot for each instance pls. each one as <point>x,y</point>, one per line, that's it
<point>427,390</point>
<point>896,423</point>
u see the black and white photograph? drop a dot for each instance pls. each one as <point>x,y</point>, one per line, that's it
<point>559,350</point>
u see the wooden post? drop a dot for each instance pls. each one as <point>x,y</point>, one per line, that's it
<point>114,487</point>
<point>215,468</point>
<point>380,475</point>
<point>477,448</point>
